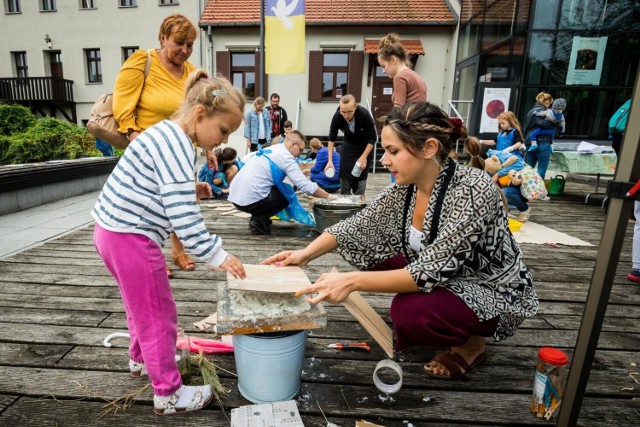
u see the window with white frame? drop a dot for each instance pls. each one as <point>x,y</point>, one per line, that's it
<point>94,65</point>
<point>47,5</point>
<point>12,6</point>
<point>87,4</point>
<point>127,51</point>
<point>335,69</point>
<point>128,3</point>
<point>20,64</point>
<point>168,2</point>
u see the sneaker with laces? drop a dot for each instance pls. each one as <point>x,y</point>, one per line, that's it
<point>634,276</point>
<point>186,399</point>
<point>137,370</point>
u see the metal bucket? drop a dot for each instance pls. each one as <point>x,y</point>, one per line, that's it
<point>327,214</point>
<point>269,365</point>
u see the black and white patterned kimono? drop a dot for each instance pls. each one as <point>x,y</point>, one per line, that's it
<point>474,255</point>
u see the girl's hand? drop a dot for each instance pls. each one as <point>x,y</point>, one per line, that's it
<point>203,191</point>
<point>283,258</point>
<point>331,287</point>
<point>233,266</point>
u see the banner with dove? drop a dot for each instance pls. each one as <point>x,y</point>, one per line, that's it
<point>284,36</point>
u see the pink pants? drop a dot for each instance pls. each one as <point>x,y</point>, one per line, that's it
<point>138,266</point>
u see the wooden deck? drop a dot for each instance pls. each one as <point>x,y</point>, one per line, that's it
<point>59,303</point>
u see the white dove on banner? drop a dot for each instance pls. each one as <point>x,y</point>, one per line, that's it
<point>283,10</point>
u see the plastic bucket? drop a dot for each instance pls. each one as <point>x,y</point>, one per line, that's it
<point>269,366</point>
<point>556,188</point>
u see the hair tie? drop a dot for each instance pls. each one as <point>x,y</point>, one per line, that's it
<point>217,92</point>
<point>475,157</point>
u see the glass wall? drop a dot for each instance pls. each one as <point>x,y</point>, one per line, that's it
<point>586,51</point>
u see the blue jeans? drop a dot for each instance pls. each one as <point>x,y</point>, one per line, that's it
<point>540,156</point>
<point>515,199</point>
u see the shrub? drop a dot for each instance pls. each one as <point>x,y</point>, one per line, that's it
<point>15,118</point>
<point>49,139</point>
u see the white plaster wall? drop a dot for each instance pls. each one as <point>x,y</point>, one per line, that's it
<point>72,30</point>
<point>436,67</point>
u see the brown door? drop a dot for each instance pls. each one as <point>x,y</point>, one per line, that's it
<point>381,98</point>
<point>55,59</point>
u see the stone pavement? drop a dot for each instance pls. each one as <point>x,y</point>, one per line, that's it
<point>31,227</point>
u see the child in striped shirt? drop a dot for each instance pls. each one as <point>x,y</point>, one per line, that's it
<point>151,193</point>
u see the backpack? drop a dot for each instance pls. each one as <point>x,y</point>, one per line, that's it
<point>102,124</point>
<point>618,122</point>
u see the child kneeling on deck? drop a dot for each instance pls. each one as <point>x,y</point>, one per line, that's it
<point>438,239</point>
<point>150,193</point>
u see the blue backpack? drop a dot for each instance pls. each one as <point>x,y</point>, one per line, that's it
<point>618,122</point>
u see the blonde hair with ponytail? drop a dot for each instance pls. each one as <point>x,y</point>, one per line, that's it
<point>216,94</point>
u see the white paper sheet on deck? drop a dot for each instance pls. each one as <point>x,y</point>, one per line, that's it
<point>530,232</point>
<point>277,414</point>
<point>268,278</point>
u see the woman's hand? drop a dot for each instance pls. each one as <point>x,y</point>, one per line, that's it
<point>331,287</point>
<point>233,266</point>
<point>329,165</point>
<point>248,142</point>
<point>299,258</point>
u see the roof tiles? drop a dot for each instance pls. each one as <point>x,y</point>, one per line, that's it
<point>247,12</point>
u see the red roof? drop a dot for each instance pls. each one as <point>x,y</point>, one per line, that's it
<point>239,12</point>
<point>410,46</point>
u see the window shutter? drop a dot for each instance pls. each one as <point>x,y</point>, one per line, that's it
<point>259,78</point>
<point>223,63</point>
<point>356,64</point>
<point>315,75</point>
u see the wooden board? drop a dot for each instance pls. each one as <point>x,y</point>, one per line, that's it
<point>273,313</point>
<point>269,278</point>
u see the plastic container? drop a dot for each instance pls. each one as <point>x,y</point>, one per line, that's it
<point>556,186</point>
<point>549,382</point>
<point>330,173</point>
<point>183,348</point>
<point>357,170</point>
<point>269,365</point>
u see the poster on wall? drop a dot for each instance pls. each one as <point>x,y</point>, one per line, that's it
<point>585,62</point>
<point>494,102</point>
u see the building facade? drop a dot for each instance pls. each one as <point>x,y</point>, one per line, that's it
<point>585,51</point>
<point>65,53</point>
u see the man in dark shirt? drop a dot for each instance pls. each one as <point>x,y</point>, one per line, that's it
<point>359,131</point>
<point>278,116</point>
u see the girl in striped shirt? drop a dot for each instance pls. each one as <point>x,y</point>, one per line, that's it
<point>151,193</point>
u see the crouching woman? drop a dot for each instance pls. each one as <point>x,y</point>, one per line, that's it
<point>440,236</point>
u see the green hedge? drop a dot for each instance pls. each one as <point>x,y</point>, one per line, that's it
<point>26,139</point>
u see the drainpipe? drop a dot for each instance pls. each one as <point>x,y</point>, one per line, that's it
<point>211,52</point>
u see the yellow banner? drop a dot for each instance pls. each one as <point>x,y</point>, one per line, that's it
<point>284,45</point>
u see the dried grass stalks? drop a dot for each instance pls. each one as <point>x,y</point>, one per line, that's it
<point>208,371</point>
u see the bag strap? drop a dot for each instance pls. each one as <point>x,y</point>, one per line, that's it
<point>147,66</point>
<point>435,220</point>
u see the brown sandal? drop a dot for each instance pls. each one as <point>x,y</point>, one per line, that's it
<point>455,364</point>
<point>184,262</point>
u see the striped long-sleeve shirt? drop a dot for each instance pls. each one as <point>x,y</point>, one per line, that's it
<point>152,192</point>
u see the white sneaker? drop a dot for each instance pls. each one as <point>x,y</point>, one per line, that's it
<point>545,199</point>
<point>186,399</point>
<point>137,370</point>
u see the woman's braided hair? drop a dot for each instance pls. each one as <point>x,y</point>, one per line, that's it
<point>415,122</point>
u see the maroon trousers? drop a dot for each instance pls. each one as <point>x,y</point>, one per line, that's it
<point>434,319</point>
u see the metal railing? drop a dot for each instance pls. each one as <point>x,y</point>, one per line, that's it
<point>375,146</point>
<point>298,114</point>
<point>452,109</point>
<point>24,89</point>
